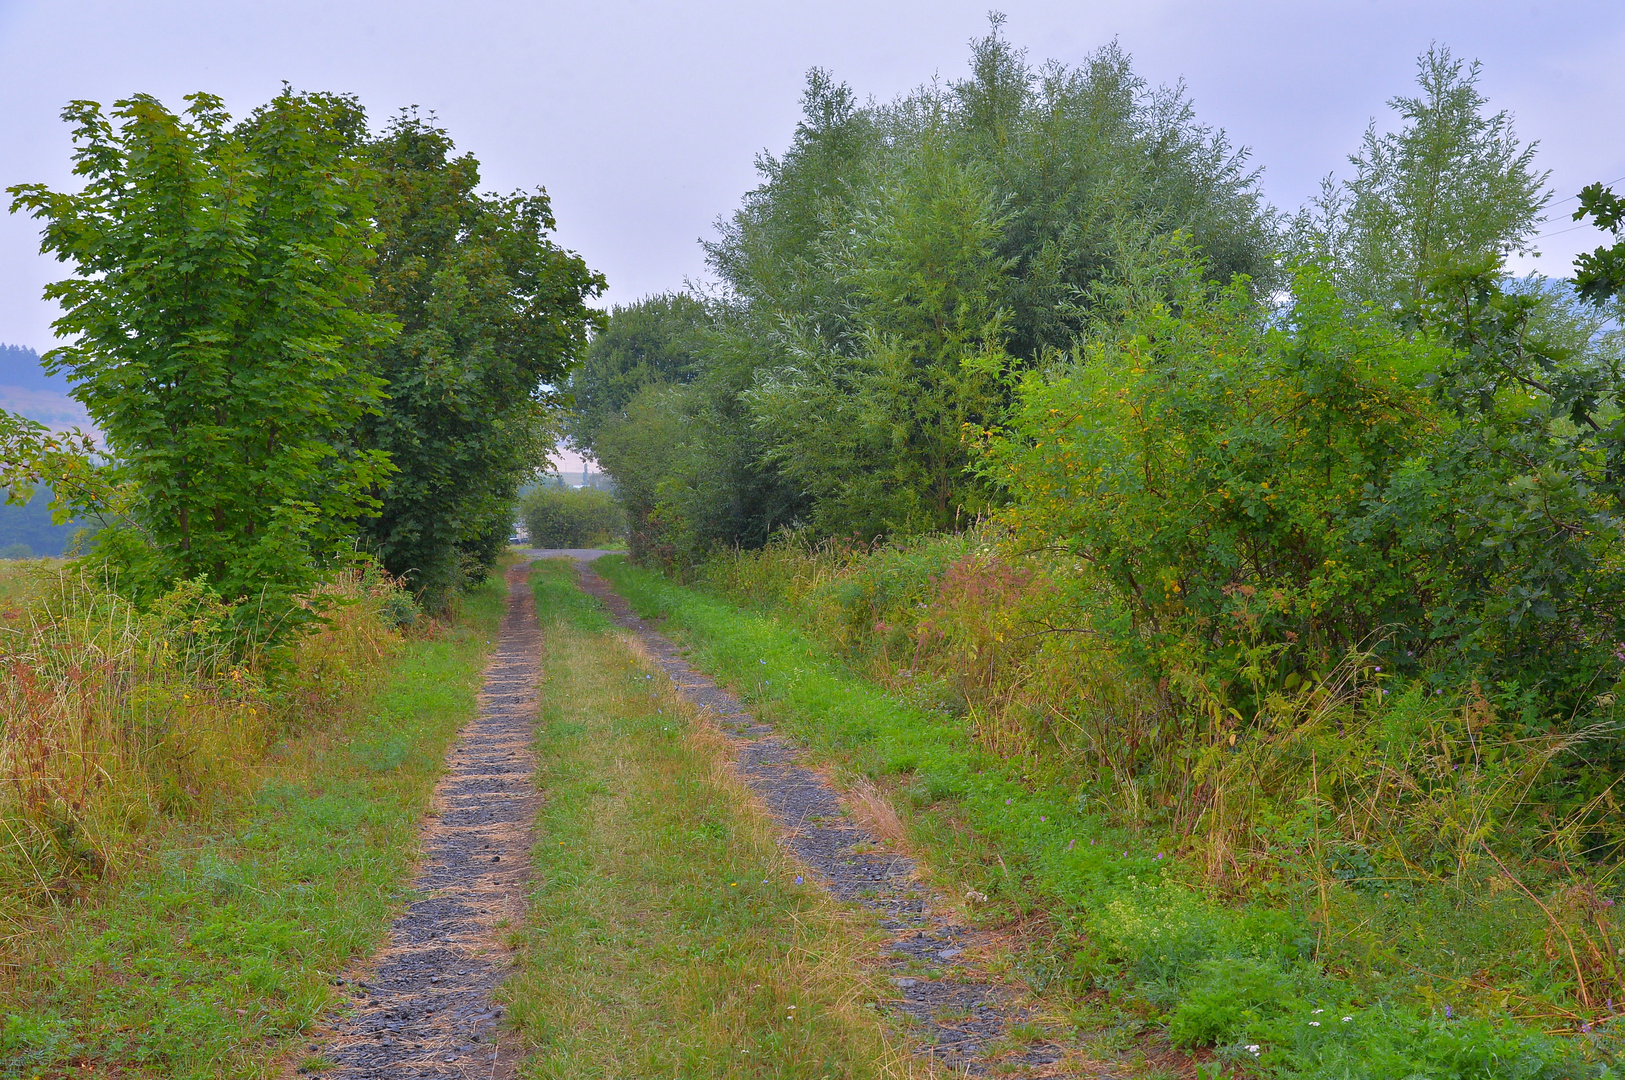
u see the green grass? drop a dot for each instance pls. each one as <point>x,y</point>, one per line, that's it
<point>216,956</point>
<point>668,934</point>
<point>1102,911</point>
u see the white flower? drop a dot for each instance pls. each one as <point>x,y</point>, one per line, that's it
<point>1346,1019</point>
<point>1314,1023</point>
<point>1251,1048</point>
<point>1317,1012</point>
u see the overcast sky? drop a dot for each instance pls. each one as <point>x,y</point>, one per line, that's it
<point>642,118</point>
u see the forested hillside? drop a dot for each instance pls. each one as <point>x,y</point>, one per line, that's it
<point>1290,542</point>
<point>20,366</point>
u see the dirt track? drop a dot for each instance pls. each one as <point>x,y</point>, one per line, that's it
<point>956,1013</point>
<point>424,1007</point>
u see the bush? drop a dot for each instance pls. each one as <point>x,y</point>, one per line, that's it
<point>566,518</point>
<point>1262,496</point>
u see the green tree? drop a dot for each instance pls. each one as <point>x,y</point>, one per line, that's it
<point>562,517</point>
<point>490,310</point>
<point>896,259</point>
<point>659,339</point>
<point>1453,184</point>
<point>1262,492</point>
<point>221,274</point>
<point>876,439</point>
<point>1600,274</point>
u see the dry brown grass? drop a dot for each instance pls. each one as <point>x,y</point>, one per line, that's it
<point>114,721</point>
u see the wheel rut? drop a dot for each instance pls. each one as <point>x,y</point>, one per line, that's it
<point>956,1014</point>
<point>424,1007</point>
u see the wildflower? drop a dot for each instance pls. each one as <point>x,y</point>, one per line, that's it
<point>1007,802</point>
<point>733,884</point>
<point>1042,818</point>
<point>1159,855</point>
<point>1317,1012</point>
<point>798,879</point>
<point>1314,1023</point>
<point>1346,1019</point>
<point>1449,1014</point>
<point>1251,1048</point>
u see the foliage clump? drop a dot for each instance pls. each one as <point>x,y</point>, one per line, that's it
<point>220,270</point>
<point>1293,548</point>
<point>895,263</point>
<point>559,517</point>
<point>489,312</point>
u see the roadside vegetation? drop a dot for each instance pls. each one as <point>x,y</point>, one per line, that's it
<point>208,852</point>
<point>314,360</point>
<point>560,517</point>
<point>1246,582</point>
<point>669,934</point>
<point>1118,911</point>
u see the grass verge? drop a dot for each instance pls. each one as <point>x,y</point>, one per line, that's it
<point>1103,913</point>
<point>669,935</point>
<point>214,958</point>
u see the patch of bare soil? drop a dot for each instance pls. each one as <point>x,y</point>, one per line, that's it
<point>959,1015</point>
<point>423,1008</point>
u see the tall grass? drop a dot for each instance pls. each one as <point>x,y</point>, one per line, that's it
<point>114,721</point>
<point>1355,798</point>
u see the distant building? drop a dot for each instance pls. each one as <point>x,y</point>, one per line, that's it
<point>586,478</point>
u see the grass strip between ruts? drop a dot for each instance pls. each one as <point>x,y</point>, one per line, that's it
<point>669,935</point>
<point>212,961</point>
<point>1117,913</point>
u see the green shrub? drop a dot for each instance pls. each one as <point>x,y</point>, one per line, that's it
<point>566,518</point>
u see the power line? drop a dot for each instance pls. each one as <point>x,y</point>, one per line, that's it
<point>1573,228</point>
<point>1571,198</point>
<point>1560,232</point>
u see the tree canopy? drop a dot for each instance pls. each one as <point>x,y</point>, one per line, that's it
<point>300,342</point>
<point>896,263</point>
<point>489,310</point>
<point>221,271</point>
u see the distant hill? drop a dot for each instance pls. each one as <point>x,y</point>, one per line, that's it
<point>26,390</point>
<point>31,526</point>
<point>44,399</point>
<point>19,366</point>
